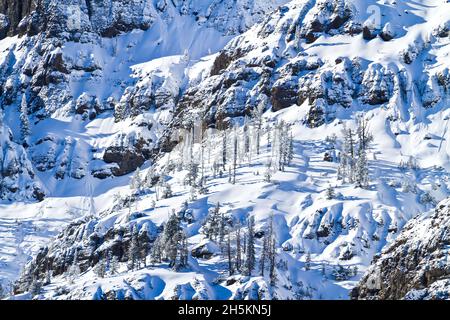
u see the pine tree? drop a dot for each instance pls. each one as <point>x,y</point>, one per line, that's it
<point>330,194</point>
<point>156,251</point>
<point>272,260</point>
<point>364,135</point>
<point>235,156</point>
<point>119,112</point>
<point>365,138</point>
<point>183,251</point>
<point>222,231</point>
<point>136,182</point>
<point>268,172</point>
<point>238,248</point>
<point>192,175</point>
<point>250,251</point>
<point>166,191</point>
<point>150,178</point>
<point>347,157</point>
<point>144,246</point>
<point>224,149</point>
<point>290,150</point>
<point>271,245</point>
<point>308,262</point>
<point>100,268</point>
<point>170,239</point>
<point>257,120</point>
<point>134,250</point>
<point>212,224</point>
<point>230,255</point>
<point>263,256</point>
<point>114,266</point>
<point>362,171</point>
<point>24,121</point>
<point>350,154</point>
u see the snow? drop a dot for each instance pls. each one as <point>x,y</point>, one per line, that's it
<point>296,198</point>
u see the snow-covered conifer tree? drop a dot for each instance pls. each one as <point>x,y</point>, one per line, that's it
<point>250,250</point>
<point>24,121</point>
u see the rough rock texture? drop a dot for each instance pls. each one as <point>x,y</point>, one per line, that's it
<point>415,265</point>
<point>83,243</point>
<point>59,50</point>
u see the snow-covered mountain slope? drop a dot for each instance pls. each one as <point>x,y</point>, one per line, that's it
<point>68,73</point>
<point>415,265</point>
<point>103,105</point>
<point>67,81</point>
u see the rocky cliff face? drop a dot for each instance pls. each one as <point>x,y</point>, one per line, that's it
<point>67,44</point>
<point>415,265</point>
<point>275,66</point>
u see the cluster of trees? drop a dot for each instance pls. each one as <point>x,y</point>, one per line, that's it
<point>212,153</point>
<point>238,244</point>
<point>171,245</point>
<point>353,165</point>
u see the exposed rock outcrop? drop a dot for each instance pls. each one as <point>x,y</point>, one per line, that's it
<point>415,265</point>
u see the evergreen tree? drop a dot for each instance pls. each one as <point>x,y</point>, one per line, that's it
<point>136,182</point>
<point>268,172</point>
<point>257,120</point>
<point>272,260</point>
<point>222,231</point>
<point>100,268</point>
<point>119,112</point>
<point>330,194</point>
<point>192,175</point>
<point>229,255</point>
<point>170,239</point>
<point>347,158</point>
<point>271,245</point>
<point>308,262</point>
<point>235,156</point>
<point>250,251</point>
<point>166,190</point>
<point>290,151</point>
<point>224,149</point>
<point>24,121</point>
<point>212,224</point>
<point>238,248</point>
<point>362,171</point>
<point>183,251</point>
<point>144,246</point>
<point>156,251</point>
<point>134,249</point>
<point>365,137</point>
<point>263,256</point>
<point>114,266</point>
